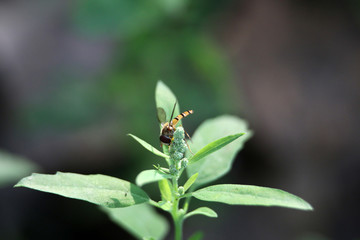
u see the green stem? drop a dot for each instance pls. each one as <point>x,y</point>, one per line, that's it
<point>177,215</point>
<point>175,185</point>
<point>178,228</point>
<point>177,149</point>
<point>152,202</point>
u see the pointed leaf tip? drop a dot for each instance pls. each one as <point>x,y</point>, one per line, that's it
<point>235,194</point>
<point>165,99</point>
<point>148,146</point>
<point>213,147</point>
<point>98,189</point>
<point>202,211</point>
<point>190,181</point>
<point>149,176</point>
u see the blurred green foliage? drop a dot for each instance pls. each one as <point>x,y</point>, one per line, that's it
<point>12,168</point>
<point>167,40</point>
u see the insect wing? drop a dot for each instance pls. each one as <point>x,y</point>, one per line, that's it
<point>165,99</point>
<point>161,114</point>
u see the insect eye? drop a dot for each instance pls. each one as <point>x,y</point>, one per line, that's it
<point>165,139</point>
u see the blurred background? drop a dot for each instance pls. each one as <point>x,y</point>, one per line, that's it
<point>77,76</point>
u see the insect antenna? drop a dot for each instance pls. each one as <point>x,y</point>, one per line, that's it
<point>172,114</point>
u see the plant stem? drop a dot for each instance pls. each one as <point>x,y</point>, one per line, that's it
<point>176,213</point>
<point>178,228</point>
<point>176,166</point>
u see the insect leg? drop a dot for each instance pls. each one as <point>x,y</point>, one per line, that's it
<point>188,135</point>
<point>188,146</point>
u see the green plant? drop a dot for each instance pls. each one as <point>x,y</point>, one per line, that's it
<point>13,167</point>
<point>215,144</point>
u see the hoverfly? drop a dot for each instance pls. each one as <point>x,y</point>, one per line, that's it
<point>168,128</point>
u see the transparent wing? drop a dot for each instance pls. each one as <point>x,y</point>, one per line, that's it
<point>161,114</point>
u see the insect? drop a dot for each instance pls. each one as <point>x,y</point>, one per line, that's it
<point>168,128</point>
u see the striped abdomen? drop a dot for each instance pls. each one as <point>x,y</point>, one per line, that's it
<point>180,116</point>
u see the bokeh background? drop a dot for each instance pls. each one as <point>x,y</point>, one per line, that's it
<point>77,76</point>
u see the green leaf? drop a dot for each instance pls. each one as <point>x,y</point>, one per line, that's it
<point>98,189</point>
<point>165,189</point>
<point>13,167</point>
<point>165,205</point>
<point>213,147</point>
<point>165,99</point>
<point>149,176</point>
<point>250,195</point>
<point>202,211</point>
<point>149,147</point>
<point>197,236</point>
<point>141,220</point>
<point>218,163</point>
<point>190,181</point>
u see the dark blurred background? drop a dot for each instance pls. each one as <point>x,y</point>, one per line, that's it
<point>77,76</point>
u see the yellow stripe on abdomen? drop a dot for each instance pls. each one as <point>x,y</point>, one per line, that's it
<point>180,116</point>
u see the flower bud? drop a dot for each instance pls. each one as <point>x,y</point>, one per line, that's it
<point>181,190</point>
<point>178,146</point>
<point>179,134</point>
<point>177,156</point>
<point>173,170</point>
<point>184,162</point>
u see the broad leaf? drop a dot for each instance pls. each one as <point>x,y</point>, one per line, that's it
<point>213,147</point>
<point>98,189</point>
<point>141,220</point>
<point>13,167</point>
<point>190,181</point>
<point>165,189</point>
<point>218,163</point>
<point>250,195</point>
<point>149,176</point>
<point>202,211</point>
<point>165,101</point>
<point>149,147</point>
